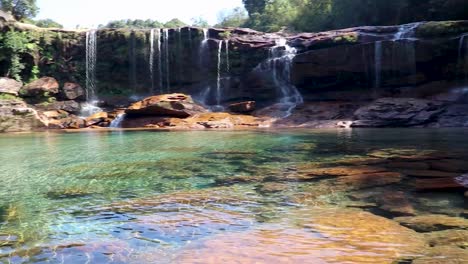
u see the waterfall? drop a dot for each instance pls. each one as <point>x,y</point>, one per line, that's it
<point>151,60</point>
<point>167,59</point>
<point>228,66</point>
<point>279,65</point>
<point>91,58</point>
<point>132,58</point>
<point>218,80</point>
<point>378,64</point>
<point>179,57</point>
<point>463,58</point>
<point>406,49</point>
<point>116,123</point>
<point>203,47</point>
<point>160,75</point>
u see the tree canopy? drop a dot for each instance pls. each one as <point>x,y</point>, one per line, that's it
<point>232,18</point>
<point>20,9</point>
<point>317,15</point>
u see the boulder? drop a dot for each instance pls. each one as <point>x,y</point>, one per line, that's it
<point>398,112</point>
<point>73,91</point>
<point>242,107</point>
<point>97,118</point>
<point>171,105</point>
<point>10,86</point>
<point>45,86</point>
<point>68,106</point>
<point>16,116</point>
<point>448,237</point>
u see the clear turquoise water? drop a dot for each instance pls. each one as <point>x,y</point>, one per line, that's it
<point>117,197</point>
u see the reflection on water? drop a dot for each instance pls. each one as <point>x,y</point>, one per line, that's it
<point>348,196</point>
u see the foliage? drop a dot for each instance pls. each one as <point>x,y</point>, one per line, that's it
<point>200,22</point>
<point>318,15</point>
<point>135,24</point>
<point>232,18</point>
<point>17,44</point>
<point>20,9</point>
<point>175,23</point>
<point>5,96</point>
<point>47,23</point>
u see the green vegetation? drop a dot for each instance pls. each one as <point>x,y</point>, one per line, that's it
<point>200,22</point>
<point>144,24</point>
<point>14,45</point>
<point>318,15</point>
<point>47,23</point>
<point>4,96</point>
<point>233,18</point>
<point>20,9</point>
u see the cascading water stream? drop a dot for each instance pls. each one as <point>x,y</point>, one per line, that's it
<point>463,58</point>
<point>378,64</point>
<point>405,52</point>
<point>151,60</point>
<point>160,72</point>
<point>279,65</point>
<point>133,62</point>
<point>90,107</point>
<point>117,122</point>
<point>167,59</point>
<point>91,58</point>
<point>228,66</point>
<point>218,80</point>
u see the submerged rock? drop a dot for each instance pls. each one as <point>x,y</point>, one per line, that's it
<point>433,222</point>
<point>312,236</point>
<point>169,105</point>
<point>451,237</point>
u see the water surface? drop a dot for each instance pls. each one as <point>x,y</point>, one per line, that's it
<point>236,197</point>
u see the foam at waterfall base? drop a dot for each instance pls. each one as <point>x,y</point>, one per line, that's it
<point>89,108</point>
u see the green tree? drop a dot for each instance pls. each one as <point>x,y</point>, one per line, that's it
<point>47,23</point>
<point>255,6</point>
<point>20,9</point>
<point>175,23</point>
<point>133,24</point>
<point>232,18</point>
<point>200,22</point>
<point>16,44</point>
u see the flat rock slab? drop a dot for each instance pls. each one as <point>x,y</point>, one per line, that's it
<point>433,222</point>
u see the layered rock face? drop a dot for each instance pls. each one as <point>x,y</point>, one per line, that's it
<point>394,76</point>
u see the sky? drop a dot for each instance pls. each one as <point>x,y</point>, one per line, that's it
<point>91,13</point>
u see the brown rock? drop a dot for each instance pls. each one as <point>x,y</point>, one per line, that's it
<point>73,91</point>
<point>443,255</point>
<point>96,118</point>
<point>242,107</point>
<point>16,116</point>
<point>397,112</point>
<point>451,237</point>
<point>171,105</point>
<point>408,165</point>
<point>41,87</point>
<point>429,173</point>
<point>272,187</point>
<point>311,236</point>
<point>450,165</point>
<point>396,203</point>
<point>433,222</point>
<point>10,86</point>
<point>447,183</point>
<point>374,179</point>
